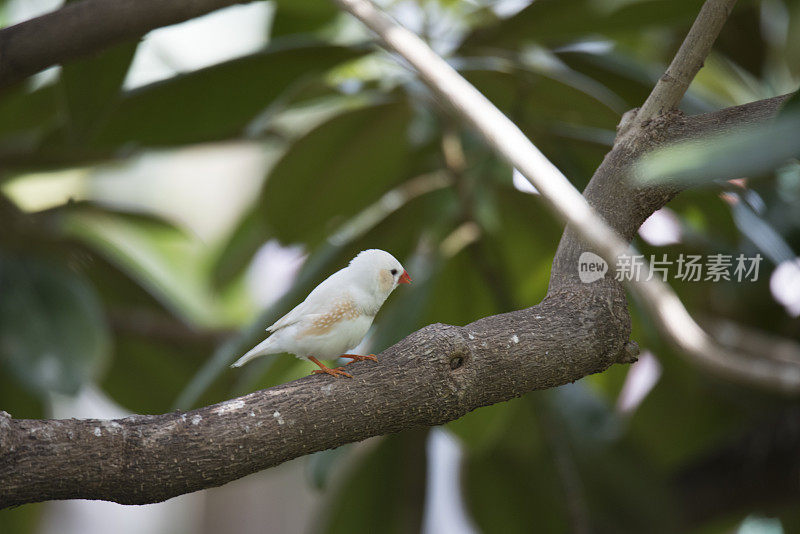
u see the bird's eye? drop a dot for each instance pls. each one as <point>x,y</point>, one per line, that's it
<point>393,271</point>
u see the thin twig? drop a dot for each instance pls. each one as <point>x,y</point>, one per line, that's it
<point>669,91</point>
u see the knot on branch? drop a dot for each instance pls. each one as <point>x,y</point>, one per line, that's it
<point>457,353</point>
<point>629,353</point>
<point>626,121</point>
<point>451,350</point>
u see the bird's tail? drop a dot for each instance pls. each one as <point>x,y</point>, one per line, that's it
<point>259,350</point>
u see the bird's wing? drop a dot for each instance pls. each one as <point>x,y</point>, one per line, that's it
<point>289,319</point>
<point>315,302</point>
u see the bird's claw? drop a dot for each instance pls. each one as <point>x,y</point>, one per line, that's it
<point>335,371</point>
<point>359,358</point>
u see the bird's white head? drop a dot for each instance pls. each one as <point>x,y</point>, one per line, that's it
<point>378,272</point>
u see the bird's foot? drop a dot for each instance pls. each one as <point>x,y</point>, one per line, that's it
<point>335,371</point>
<point>324,369</point>
<point>359,358</point>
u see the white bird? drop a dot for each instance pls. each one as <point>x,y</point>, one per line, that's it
<point>336,315</point>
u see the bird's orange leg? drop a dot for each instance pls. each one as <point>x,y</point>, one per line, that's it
<point>323,369</point>
<point>359,358</point>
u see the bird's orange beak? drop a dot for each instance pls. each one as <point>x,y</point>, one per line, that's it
<point>404,278</point>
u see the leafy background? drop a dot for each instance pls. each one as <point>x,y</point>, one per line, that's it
<point>152,225</point>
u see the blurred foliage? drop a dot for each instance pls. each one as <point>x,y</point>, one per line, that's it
<point>363,502</point>
<point>93,290</point>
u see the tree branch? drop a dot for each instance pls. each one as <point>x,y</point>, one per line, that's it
<point>671,87</point>
<point>81,28</point>
<point>433,376</point>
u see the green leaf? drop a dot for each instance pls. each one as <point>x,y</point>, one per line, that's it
<point>92,85</point>
<point>26,117</point>
<point>553,22</point>
<point>301,16</point>
<point>630,79</point>
<point>158,349</point>
<point>215,102</point>
<point>684,405</point>
<point>52,333</point>
<point>535,100</point>
<point>253,229</point>
<point>335,171</point>
<point>747,152</point>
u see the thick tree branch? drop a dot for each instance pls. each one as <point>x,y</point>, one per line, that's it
<point>434,375</point>
<point>81,28</point>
